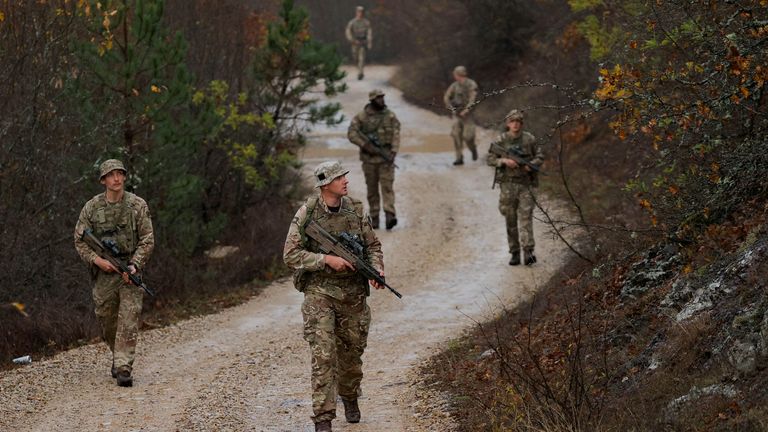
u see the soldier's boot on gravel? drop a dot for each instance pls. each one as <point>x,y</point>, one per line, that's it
<point>375,222</point>
<point>530,258</point>
<point>124,378</point>
<point>515,260</point>
<point>351,410</point>
<point>114,370</point>
<point>458,162</point>
<point>391,220</point>
<point>323,426</point>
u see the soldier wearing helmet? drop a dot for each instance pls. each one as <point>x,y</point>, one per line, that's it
<point>360,36</point>
<point>335,311</point>
<point>376,130</point>
<point>518,183</point>
<point>460,99</point>
<point>124,218</point>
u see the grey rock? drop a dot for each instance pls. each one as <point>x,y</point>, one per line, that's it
<point>695,393</point>
<point>743,356</point>
<point>703,298</point>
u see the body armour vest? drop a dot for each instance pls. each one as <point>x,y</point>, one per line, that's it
<point>360,28</point>
<point>378,124</point>
<point>116,221</point>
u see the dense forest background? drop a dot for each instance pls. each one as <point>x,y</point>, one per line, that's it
<point>653,114</point>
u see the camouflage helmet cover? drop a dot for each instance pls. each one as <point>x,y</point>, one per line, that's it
<point>110,165</point>
<point>374,94</point>
<point>327,172</point>
<point>360,9</point>
<point>460,71</point>
<point>514,115</point>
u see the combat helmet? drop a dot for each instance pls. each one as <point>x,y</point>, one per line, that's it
<point>110,165</point>
<point>460,71</point>
<point>514,115</point>
<point>374,94</point>
<point>327,172</point>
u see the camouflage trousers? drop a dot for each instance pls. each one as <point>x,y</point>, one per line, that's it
<point>358,56</point>
<point>516,203</point>
<point>463,132</point>
<point>380,175</point>
<point>337,332</point>
<point>118,308</point>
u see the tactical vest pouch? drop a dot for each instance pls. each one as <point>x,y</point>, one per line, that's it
<point>300,280</point>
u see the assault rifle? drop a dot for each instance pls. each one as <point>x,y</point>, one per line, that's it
<point>514,154</point>
<point>108,250</point>
<point>380,150</point>
<point>348,247</point>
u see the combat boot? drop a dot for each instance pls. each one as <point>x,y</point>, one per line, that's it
<point>458,162</point>
<point>474,153</point>
<point>124,378</point>
<point>323,426</point>
<point>360,76</point>
<point>375,222</point>
<point>114,370</point>
<point>391,220</point>
<point>351,410</point>
<point>515,260</point>
<point>530,258</point>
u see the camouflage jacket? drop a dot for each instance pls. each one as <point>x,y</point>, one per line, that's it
<point>359,30</point>
<point>460,96</point>
<point>128,222</point>
<point>527,145</point>
<point>383,125</point>
<point>303,254</point>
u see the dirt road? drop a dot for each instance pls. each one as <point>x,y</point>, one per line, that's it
<point>247,369</point>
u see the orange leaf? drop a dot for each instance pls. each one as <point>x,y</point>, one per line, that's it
<point>745,91</point>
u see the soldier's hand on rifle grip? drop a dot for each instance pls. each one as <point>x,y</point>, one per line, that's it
<point>338,263</point>
<point>104,265</point>
<point>125,275</point>
<point>376,284</point>
<point>510,163</point>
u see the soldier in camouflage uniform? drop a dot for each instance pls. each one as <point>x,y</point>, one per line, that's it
<point>459,98</point>
<point>518,183</point>
<point>336,316</point>
<point>377,121</point>
<point>123,217</point>
<point>360,37</point>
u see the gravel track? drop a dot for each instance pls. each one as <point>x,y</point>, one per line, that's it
<point>247,367</point>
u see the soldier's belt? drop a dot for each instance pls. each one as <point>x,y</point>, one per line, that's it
<point>334,276</point>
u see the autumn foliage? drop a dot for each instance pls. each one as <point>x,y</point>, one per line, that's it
<point>688,80</point>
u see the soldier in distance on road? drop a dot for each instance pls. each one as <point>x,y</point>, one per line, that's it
<point>335,311</point>
<point>376,130</point>
<point>518,184</point>
<point>124,218</point>
<point>360,36</point>
<point>460,98</point>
